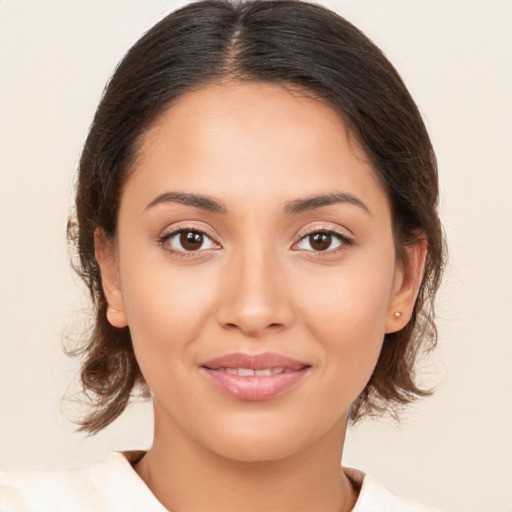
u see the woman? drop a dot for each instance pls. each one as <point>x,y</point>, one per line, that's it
<point>256,222</point>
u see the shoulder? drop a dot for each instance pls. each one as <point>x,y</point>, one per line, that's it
<point>110,484</point>
<point>374,497</point>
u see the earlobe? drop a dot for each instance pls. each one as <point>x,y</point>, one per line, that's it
<point>105,256</point>
<point>408,278</point>
<point>116,317</point>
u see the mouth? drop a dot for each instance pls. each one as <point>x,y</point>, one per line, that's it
<point>255,377</point>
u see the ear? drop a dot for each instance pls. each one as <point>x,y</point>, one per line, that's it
<point>107,261</point>
<point>408,277</point>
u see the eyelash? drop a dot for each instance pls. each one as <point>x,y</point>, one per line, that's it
<point>343,240</point>
<point>184,253</point>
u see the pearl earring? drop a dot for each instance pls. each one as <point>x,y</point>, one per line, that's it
<point>398,314</point>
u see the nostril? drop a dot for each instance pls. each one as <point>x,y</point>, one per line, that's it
<point>252,329</point>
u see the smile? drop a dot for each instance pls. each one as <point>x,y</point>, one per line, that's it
<point>249,372</point>
<point>255,377</point>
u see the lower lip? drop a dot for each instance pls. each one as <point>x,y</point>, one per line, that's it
<point>257,387</point>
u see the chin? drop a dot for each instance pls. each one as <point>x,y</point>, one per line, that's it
<point>259,441</point>
<point>262,449</point>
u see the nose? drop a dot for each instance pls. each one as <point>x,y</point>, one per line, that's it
<point>255,298</point>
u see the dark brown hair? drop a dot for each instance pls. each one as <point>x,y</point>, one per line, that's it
<point>289,42</point>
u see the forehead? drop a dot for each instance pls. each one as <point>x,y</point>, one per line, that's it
<point>260,138</point>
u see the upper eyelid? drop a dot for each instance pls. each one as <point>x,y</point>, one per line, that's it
<point>324,230</point>
<point>175,229</point>
<point>319,228</point>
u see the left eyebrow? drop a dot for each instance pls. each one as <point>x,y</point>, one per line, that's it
<point>310,203</point>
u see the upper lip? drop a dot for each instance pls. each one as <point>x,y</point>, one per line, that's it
<point>254,361</point>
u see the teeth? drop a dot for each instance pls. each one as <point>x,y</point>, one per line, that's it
<point>249,372</point>
<point>267,371</point>
<point>245,372</point>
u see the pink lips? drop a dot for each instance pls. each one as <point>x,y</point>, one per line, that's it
<point>255,377</point>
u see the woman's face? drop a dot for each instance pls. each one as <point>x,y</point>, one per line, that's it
<point>255,268</point>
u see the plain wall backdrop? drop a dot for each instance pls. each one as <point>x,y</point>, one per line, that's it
<point>452,451</point>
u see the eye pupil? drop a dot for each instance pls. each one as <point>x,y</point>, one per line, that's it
<point>191,240</point>
<point>320,241</point>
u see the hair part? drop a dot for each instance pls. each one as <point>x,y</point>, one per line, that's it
<point>287,42</point>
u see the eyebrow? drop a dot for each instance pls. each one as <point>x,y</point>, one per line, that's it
<point>296,206</point>
<point>197,200</point>
<point>310,203</point>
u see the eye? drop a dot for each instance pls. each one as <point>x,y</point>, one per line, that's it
<point>187,240</point>
<point>323,241</point>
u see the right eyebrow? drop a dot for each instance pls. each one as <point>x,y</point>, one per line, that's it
<point>196,200</point>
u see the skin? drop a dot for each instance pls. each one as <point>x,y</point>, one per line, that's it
<point>255,285</point>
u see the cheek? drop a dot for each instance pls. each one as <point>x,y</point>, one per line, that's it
<point>166,309</point>
<point>346,313</point>
<point>351,298</point>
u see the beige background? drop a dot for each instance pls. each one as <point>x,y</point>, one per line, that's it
<point>452,451</point>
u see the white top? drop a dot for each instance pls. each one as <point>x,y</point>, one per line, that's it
<point>112,485</point>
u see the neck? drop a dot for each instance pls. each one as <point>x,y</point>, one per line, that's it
<point>186,476</point>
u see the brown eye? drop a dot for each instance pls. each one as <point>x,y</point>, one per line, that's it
<point>320,241</point>
<point>191,240</point>
<point>187,241</point>
<point>323,241</point>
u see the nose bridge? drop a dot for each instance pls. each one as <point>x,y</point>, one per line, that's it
<point>254,296</point>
